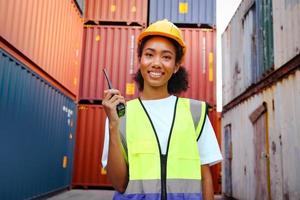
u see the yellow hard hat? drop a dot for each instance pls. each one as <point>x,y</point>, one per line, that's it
<point>164,28</point>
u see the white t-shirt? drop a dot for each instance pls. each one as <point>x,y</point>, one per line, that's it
<point>160,112</point>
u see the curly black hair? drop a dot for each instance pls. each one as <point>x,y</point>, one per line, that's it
<point>178,81</point>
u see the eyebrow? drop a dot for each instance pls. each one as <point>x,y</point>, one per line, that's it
<point>164,51</point>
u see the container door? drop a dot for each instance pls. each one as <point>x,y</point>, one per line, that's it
<point>262,159</point>
<point>227,160</point>
<point>265,35</point>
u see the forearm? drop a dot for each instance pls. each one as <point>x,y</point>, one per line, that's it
<point>117,170</point>
<point>207,183</point>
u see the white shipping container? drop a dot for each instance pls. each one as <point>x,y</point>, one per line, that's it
<point>239,52</point>
<point>286,24</point>
<point>282,143</point>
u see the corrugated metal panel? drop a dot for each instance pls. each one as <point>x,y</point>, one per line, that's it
<point>88,169</point>
<point>261,152</point>
<point>10,50</point>
<point>47,32</point>
<point>242,163</point>
<point>286,23</point>
<point>286,127</point>
<point>239,52</point>
<point>113,48</point>
<point>184,11</point>
<point>227,152</point>
<point>36,123</point>
<point>200,62</point>
<point>117,11</point>
<point>284,139</point>
<point>265,45</point>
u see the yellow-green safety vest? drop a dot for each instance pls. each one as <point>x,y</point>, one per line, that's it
<point>152,175</point>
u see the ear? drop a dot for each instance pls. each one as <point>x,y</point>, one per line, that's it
<point>176,68</point>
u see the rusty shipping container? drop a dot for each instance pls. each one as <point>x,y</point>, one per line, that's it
<point>37,129</point>
<point>88,169</point>
<point>268,125</point>
<point>129,11</point>
<point>200,64</point>
<point>49,33</point>
<point>248,48</point>
<point>113,48</point>
<point>190,12</point>
<point>286,24</point>
<point>272,113</point>
<point>240,61</point>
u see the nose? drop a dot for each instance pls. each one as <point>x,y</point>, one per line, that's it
<point>156,61</point>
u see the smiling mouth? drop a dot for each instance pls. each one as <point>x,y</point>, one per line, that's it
<point>155,74</point>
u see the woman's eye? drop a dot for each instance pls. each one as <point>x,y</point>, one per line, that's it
<point>167,57</point>
<point>148,54</point>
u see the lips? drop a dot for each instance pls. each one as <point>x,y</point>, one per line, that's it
<point>155,74</point>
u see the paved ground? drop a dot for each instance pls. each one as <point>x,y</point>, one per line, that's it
<point>84,195</point>
<point>90,195</point>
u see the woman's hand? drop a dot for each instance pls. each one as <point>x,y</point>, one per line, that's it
<point>112,98</point>
<point>117,170</point>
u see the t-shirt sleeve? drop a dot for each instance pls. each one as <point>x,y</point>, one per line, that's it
<point>105,144</point>
<point>208,146</point>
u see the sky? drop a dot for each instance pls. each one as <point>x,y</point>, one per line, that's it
<point>225,11</point>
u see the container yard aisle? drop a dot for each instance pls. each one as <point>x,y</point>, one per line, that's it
<point>84,194</point>
<point>92,195</point>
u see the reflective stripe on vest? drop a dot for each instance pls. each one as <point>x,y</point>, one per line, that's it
<point>153,175</point>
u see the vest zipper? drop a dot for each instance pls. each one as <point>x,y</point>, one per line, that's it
<point>163,160</point>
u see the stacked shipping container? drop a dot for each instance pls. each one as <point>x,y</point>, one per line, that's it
<point>130,12</point>
<point>111,45</point>
<point>47,33</point>
<point>88,170</point>
<point>40,57</point>
<point>262,117</point>
<point>113,48</point>
<point>37,130</point>
<point>187,12</point>
<point>200,64</point>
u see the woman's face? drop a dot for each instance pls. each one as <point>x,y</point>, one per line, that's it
<point>157,62</point>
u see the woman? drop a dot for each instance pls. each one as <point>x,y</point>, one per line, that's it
<point>162,149</point>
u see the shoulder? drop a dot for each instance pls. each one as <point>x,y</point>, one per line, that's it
<point>193,102</point>
<point>132,102</point>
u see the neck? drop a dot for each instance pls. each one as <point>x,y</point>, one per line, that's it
<point>151,93</point>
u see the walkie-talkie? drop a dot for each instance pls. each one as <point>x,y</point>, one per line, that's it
<point>120,106</point>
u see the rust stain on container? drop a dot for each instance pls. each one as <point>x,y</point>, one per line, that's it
<point>117,11</point>
<point>116,51</point>
<point>199,62</point>
<point>88,170</point>
<point>47,32</point>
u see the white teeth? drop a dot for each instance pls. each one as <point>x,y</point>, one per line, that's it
<point>155,74</point>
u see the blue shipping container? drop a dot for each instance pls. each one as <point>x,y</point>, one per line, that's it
<point>81,5</point>
<point>199,12</point>
<point>36,133</point>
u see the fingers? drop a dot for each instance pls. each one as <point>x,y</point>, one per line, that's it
<point>111,92</point>
<point>116,99</point>
<point>112,98</point>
